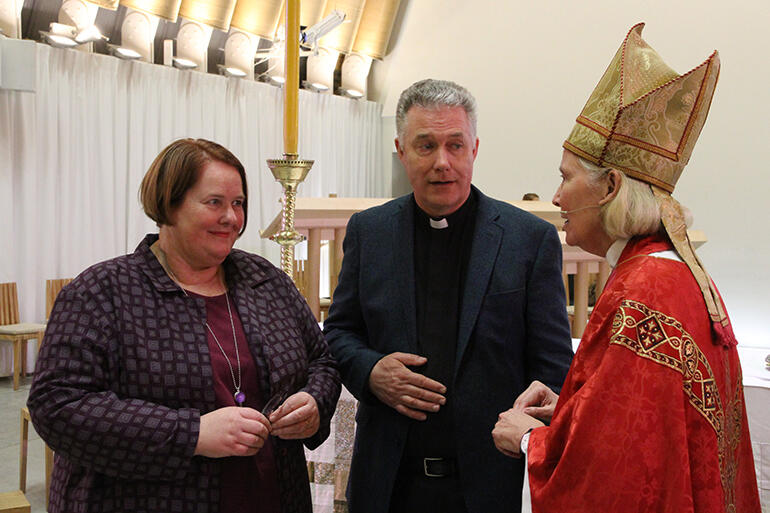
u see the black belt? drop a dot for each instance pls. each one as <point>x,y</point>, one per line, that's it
<point>437,467</point>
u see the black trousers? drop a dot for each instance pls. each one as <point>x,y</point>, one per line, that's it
<point>414,492</point>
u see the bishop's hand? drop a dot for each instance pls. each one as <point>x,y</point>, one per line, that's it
<point>538,401</point>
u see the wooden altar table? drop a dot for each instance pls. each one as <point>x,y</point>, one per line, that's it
<point>321,219</point>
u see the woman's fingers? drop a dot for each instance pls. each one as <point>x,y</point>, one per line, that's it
<point>297,417</point>
<point>232,431</point>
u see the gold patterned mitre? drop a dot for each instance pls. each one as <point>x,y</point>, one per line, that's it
<point>643,118</point>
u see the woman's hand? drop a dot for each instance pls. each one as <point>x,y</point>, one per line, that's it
<point>511,426</point>
<point>296,418</point>
<point>537,400</point>
<point>232,431</point>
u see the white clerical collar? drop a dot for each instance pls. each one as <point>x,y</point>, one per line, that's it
<point>438,224</point>
<point>613,254</point>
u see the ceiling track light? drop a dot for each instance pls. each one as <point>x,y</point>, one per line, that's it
<point>127,54</point>
<point>276,81</point>
<point>316,87</point>
<point>89,35</point>
<point>230,71</point>
<point>311,35</point>
<point>351,93</point>
<point>58,40</point>
<point>185,64</point>
<point>67,36</point>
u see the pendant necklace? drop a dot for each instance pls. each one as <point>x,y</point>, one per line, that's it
<point>239,396</point>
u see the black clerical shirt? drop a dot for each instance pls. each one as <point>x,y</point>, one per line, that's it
<point>441,258</point>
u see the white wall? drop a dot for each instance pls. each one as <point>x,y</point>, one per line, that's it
<point>532,65</point>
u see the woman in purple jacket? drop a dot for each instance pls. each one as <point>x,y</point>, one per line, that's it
<point>187,375</point>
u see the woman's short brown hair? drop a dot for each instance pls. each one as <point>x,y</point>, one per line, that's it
<point>176,169</point>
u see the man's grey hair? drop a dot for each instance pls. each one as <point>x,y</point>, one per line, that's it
<point>431,94</point>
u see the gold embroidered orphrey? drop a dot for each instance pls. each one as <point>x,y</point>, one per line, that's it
<point>662,339</point>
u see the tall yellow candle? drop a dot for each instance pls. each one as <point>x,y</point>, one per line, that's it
<point>291,87</point>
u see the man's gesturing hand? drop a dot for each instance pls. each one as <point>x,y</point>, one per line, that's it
<point>409,393</point>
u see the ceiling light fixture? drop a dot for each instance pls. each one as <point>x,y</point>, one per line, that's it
<point>320,69</point>
<point>311,35</point>
<point>126,54</point>
<point>186,64</point>
<point>67,36</point>
<point>57,40</point>
<point>275,80</point>
<point>89,35</point>
<point>230,71</point>
<point>316,87</point>
<point>353,78</point>
<point>352,93</point>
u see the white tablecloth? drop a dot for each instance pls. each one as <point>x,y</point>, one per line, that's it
<point>756,389</point>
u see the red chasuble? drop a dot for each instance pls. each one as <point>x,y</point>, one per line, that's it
<point>651,417</point>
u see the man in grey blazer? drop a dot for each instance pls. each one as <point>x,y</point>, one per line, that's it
<point>449,304</point>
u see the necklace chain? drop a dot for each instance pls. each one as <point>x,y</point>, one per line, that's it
<point>237,384</point>
<point>239,396</point>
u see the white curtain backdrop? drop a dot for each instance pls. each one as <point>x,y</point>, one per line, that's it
<point>72,155</point>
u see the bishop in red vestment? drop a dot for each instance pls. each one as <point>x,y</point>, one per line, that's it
<point>651,417</point>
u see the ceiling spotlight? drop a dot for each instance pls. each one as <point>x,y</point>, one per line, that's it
<point>62,29</point>
<point>123,53</point>
<point>316,87</point>
<point>184,63</point>
<point>230,71</point>
<point>58,41</point>
<point>352,93</point>
<point>89,35</point>
<point>275,80</point>
<point>311,35</point>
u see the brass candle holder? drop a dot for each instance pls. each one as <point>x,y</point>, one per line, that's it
<point>290,171</point>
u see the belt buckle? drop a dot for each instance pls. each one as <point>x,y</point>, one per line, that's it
<point>425,467</point>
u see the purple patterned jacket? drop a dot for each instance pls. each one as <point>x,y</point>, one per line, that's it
<point>124,375</point>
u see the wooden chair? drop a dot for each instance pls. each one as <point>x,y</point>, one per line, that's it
<point>14,502</point>
<point>325,302</point>
<point>585,269</point>
<point>300,277</point>
<point>18,333</point>
<point>25,421</point>
<point>52,289</point>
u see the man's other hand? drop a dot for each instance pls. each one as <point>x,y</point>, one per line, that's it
<point>509,430</point>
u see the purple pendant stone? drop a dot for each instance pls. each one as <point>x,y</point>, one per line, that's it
<point>240,398</point>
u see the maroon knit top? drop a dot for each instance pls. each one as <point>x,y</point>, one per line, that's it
<point>250,483</point>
